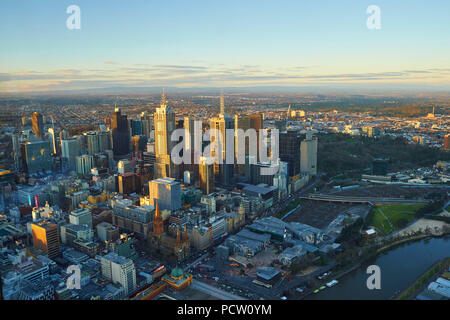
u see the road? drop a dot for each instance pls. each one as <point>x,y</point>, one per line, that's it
<point>192,264</point>
<point>213,291</point>
<point>335,198</point>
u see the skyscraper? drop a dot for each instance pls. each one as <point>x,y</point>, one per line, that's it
<point>16,150</point>
<point>241,122</point>
<point>146,121</point>
<point>51,132</point>
<point>92,142</point>
<point>164,119</point>
<point>309,155</point>
<point>220,124</point>
<point>37,122</point>
<point>289,149</point>
<point>46,237</point>
<point>139,145</point>
<point>189,139</point>
<point>36,156</point>
<point>70,149</point>
<point>206,174</point>
<point>84,164</point>
<point>120,134</point>
<point>257,123</point>
<point>120,270</point>
<point>168,193</point>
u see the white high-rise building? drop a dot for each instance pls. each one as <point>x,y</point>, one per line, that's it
<point>119,270</point>
<point>308,155</point>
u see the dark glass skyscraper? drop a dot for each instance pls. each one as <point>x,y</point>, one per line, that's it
<point>37,123</point>
<point>289,148</point>
<point>120,134</point>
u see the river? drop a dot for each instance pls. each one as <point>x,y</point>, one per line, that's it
<point>399,267</point>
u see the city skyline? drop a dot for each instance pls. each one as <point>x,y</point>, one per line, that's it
<point>213,45</point>
<point>224,151</point>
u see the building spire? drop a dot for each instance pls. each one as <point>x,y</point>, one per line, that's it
<point>222,104</point>
<point>163,98</point>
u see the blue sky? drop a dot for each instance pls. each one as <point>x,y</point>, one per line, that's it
<point>199,43</point>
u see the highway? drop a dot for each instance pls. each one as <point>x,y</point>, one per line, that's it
<point>213,291</point>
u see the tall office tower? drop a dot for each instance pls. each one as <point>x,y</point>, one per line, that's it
<point>46,237</point>
<point>309,155</point>
<point>16,150</point>
<point>70,149</point>
<point>447,142</point>
<point>206,174</point>
<point>146,121</point>
<point>104,140</point>
<point>82,141</point>
<point>164,119</point>
<point>84,164</point>
<point>36,155</point>
<point>223,172</point>
<point>241,122</point>
<point>120,134</point>
<point>136,127</point>
<point>257,123</point>
<point>119,270</point>
<point>52,139</point>
<point>37,122</point>
<point>168,193</point>
<point>139,145</point>
<point>92,142</point>
<point>81,216</point>
<point>97,141</point>
<point>289,149</point>
<point>189,140</point>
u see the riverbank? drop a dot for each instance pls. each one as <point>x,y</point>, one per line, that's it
<point>353,278</point>
<point>421,282</point>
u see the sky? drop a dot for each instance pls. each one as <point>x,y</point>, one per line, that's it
<point>232,43</point>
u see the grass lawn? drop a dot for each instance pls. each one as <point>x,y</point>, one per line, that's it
<point>398,214</point>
